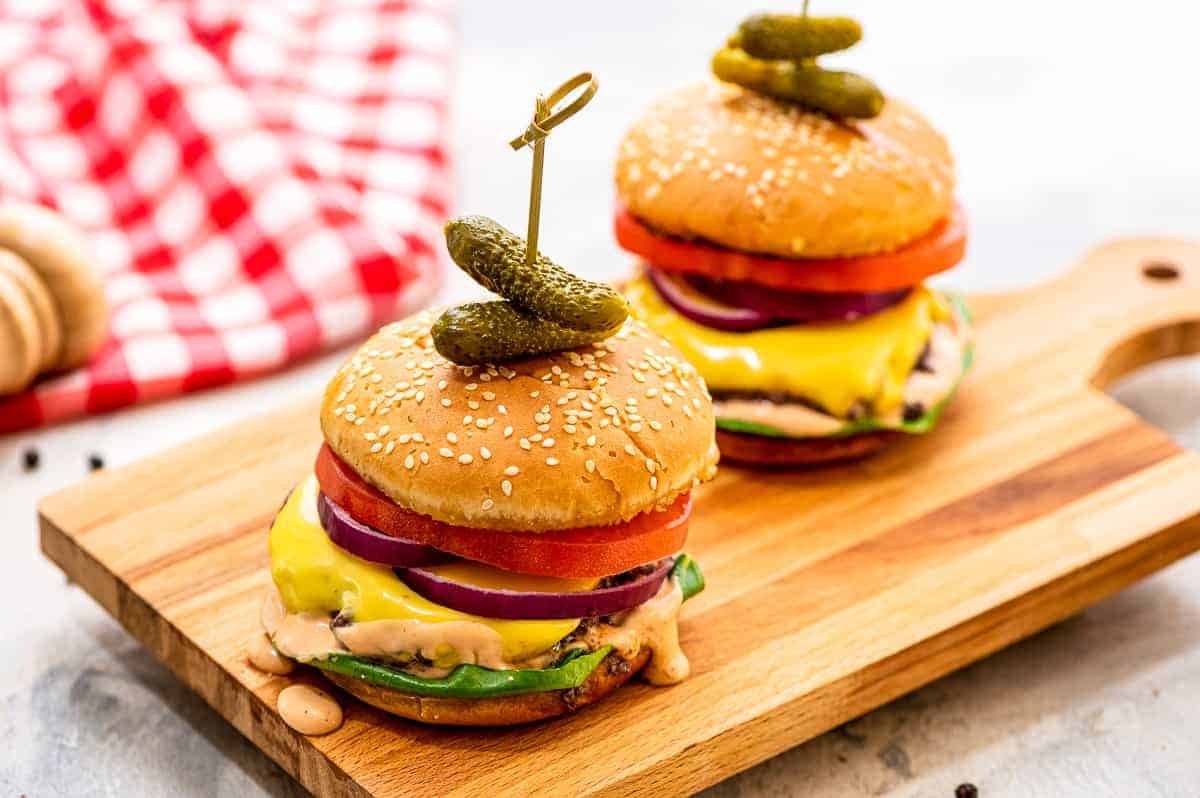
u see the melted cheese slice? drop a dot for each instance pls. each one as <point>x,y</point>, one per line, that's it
<point>315,575</point>
<point>835,365</point>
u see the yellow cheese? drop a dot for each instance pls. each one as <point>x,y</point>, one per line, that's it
<point>832,364</point>
<point>315,575</point>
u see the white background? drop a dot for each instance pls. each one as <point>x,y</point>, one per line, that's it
<point>1072,122</point>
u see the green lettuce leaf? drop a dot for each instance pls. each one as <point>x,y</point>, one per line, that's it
<point>917,426</point>
<point>469,681</point>
<point>687,573</point>
<point>473,681</point>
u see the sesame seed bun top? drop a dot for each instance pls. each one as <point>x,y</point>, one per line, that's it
<point>585,437</point>
<point>718,162</point>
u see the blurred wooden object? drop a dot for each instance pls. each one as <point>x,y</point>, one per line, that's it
<point>53,312</point>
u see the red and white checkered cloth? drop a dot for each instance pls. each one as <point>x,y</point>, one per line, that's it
<point>261,179</point>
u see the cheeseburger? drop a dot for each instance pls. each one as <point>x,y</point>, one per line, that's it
<point>783,251</point>
<point>494,544</point>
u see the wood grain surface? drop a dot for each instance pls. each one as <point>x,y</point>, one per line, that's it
<point>830,592</point>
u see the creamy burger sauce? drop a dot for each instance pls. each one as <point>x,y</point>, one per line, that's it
<point>266,658</point>
<point>947,345</point>
<point>307,636</point>
<point>303,629</point>
<point>653,625</point>
<point>308,710</point>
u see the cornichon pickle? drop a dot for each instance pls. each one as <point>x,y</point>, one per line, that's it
<point>793,37</point>
<point>492,332</point>
<point>495,258</point>
<point>840,94</point>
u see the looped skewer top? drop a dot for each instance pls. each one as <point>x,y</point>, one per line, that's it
<point>535,136</point>
<point>543,121</point>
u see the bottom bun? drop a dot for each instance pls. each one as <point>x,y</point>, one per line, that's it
<point>761,450</point>
<point>511,710</point>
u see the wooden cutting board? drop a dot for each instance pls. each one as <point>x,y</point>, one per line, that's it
<point>830,592</point>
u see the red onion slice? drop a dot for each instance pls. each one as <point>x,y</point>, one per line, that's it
<point>740,307</point>
<point>523,605</point>
<point>371,544</point>
<point>690,303</point>
<point>797,306</point>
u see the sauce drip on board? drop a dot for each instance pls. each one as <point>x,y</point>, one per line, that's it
<point>266,658</point>
<point>308,710</point>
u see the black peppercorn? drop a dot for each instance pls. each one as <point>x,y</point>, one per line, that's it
<point>95,462</point>
<point>966,791</point>
<point>31,459</point>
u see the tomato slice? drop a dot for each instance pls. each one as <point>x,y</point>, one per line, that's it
<point>591,551</point>
<point>938,250</point>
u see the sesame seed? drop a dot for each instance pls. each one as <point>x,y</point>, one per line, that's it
<point>471,386</point>
<point>465,458</point>
<point>653,483</point>
<point>508,431</point>
<point>391,445</point>
<point>512,471</point>
<point>525,444</point>
<point>376,447</point>
<point>551,461</point>
<point>548,443</point>
<point>485,453</point>
<point>591,440</point>
<point>450,436</point>
<point>590,465</point>
<point>488,396</point>
<point>630,450</point>
<point>446,403</point>
<point>409,462</point>
<point>445,452</point>
<point>425,458</point>
<point>506,486</point>
<point>488,504</point>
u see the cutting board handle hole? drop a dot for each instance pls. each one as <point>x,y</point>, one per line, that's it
<point>1161,271</point>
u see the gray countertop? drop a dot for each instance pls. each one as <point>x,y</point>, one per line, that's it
<point>1071,124</point>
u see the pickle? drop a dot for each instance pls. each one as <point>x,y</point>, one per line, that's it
<point>495,258</point>
<point>839,94</point>
<point>493,332</point>
<point>792,37</point>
